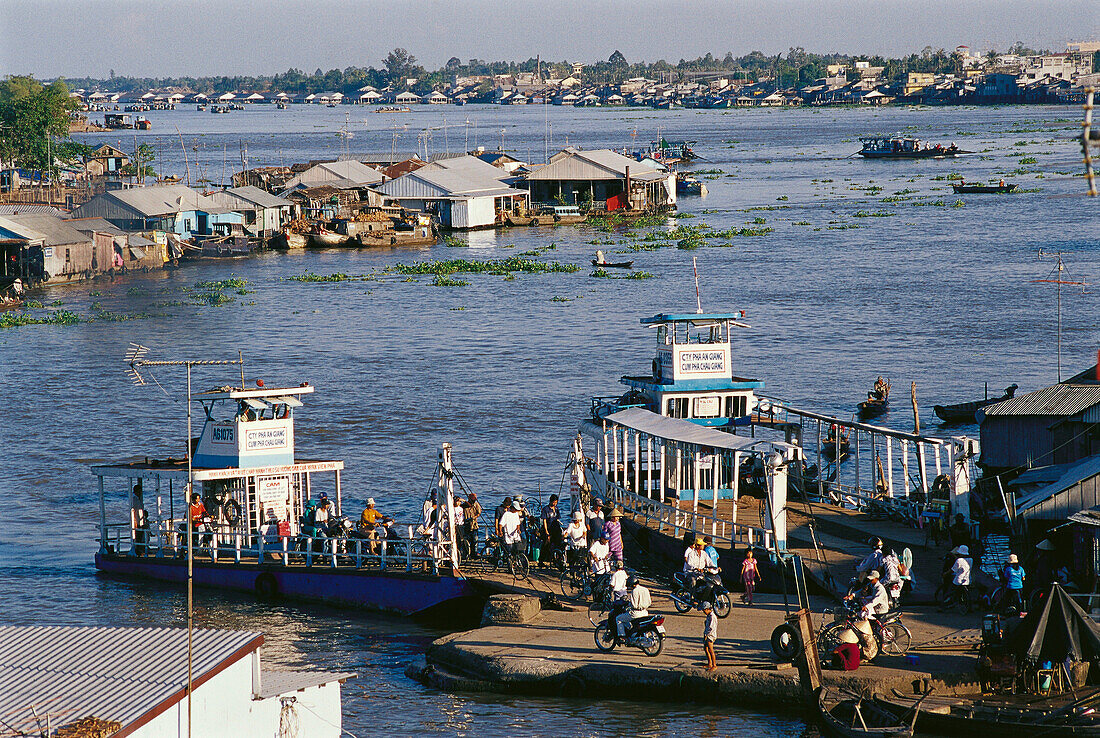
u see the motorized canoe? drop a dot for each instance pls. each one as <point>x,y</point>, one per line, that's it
<point>963,188</point>
<point>964,412</point>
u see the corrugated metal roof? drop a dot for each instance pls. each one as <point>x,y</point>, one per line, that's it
<point>349,170</point>
<point>684,431</point>
<point>259,197</point>
<point>110,673</point>
<point>1061,400</point>
<point>1075,474</point>
<point>21,231</point>
<point>274,683</point>
<point>598,164</point>
<point>88,225</point>
<point>58,232</point>
<point>32,210</point>
<point>465,176</point>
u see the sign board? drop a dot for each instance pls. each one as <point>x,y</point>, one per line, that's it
<point>223,434</point>
<point>264,439</point>
<point>47,251</point>
<point>272,494</point>
<point>706,407</point>
<point>702,362</point>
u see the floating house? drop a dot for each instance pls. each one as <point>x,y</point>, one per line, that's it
<point>47,249</point>
<point>171,208</point>
<point>105,160</point>
<point>463,192</point>
<point>604,178</point>
<point>264,213</point>
<point>132,682</point>
<point>344,175</point>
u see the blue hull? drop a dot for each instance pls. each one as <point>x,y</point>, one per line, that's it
<point>397,591</point>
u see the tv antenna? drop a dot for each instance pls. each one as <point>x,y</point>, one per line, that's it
<point>1055,277</point>
<point>698,301</point>
<point>135,358</point>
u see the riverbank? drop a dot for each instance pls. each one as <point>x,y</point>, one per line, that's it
<point>554,655</point>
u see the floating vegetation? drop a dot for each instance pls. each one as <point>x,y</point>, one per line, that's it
<point>1028,160</point>
<point>958,204</point>
<point>639,275</point>
<point>876,214</point>
<point>493,266</point>
<point>561,299</point>
<point>455,242</point>
<point>681,216</point>
<point>759,221</point>
<point>757,208</point>
<point>782,198</point>
<point>600,273</point>
<point>442,280</point>
<point>17,318</point>
<point>743,232</point>
<point>802,223</point>
<point>311,277</point>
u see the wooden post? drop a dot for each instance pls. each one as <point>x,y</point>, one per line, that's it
<point>820,466</point>
<point>715,468</point>
<point>889,466</point>
<point>905,466</point>
<point>102,518</point>
<point>637,463</point>
<point>614,470</point>
<point>916,412</point>
<point>649,466</point>
<point>808,662</point>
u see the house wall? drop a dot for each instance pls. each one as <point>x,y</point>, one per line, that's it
<point>1010,441</point>
<point>475,212</point>
<point>1081,496</point>
<point>223,706</point>
<point>68,262</point>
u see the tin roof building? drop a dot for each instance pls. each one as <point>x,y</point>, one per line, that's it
<point>133,681</point>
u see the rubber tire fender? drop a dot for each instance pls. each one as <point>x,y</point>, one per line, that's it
<point>786,642</point>
<point>266,587</point>
<point>231,511</point>
<point>534,221</point>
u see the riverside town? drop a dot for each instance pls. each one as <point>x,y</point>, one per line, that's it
<point>753,394</point>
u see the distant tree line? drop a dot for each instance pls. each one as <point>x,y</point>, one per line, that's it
<point>797,67</point>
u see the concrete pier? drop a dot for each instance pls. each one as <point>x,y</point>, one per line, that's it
<point>554,654</point>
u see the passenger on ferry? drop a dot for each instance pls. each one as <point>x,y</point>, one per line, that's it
<point>473,513</point>
<point>551,528</point>
<point>502,508</point>
<point>510,529</point>
<point>199,517</point>
<point>459,515</point>
<point>369,522</point>
<point>595,520</point>
<point>427,510</point>
<point>614,530</point>
<point>576,540</point>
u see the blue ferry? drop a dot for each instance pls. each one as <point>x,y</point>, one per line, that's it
<point>252,536</point>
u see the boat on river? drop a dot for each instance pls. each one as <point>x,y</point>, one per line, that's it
<point>896,147</point>
<point>962,188</point>
<point>856,717</point>
<point>255,533</point>
<point>688,184</point>
<point>964,412</point>
<point>601,262</point>
<point>877,402</point>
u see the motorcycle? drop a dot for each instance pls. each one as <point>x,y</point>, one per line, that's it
<point>646,633</point>
<point>685,596</point>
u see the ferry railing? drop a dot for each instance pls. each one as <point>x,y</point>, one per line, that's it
<point>221,542</point>
<point>681,520</point>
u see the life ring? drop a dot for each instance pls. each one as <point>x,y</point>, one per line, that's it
<point>786,642</point>
<point>266,586</point>
<point>534,221</point>
<point>231,511</point>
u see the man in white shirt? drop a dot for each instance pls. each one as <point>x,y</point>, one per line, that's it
<point>640,602</point>
<point>696,565</point>
<point>510,526</point>
<point>875,601</point>
<point>962,566</point>
<point>618,582</point>
<point>599,554</point>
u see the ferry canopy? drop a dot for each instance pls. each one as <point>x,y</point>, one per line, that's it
<point>694,318</point>
<point>277,394</point>
<point>686,432</point>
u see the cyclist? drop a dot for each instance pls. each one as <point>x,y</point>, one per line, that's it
<point>873,598</point>
<point>510,529</point>
<point>600,556</point>
<point>576,540</point>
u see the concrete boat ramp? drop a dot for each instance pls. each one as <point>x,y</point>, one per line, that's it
<point>552,653</point>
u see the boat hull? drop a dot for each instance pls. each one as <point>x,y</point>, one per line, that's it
<point>388,591</point>
<point>983,189</point>
<point>923,154</point>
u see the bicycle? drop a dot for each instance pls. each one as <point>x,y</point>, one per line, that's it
<point>957,597</point>
<point>891,634</point>
<point>576,578</point>
<point>499,557</point>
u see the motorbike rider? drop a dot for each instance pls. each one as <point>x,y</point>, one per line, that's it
<point>696,567</point>
<point>891,566</point>
<point>640,602</point>
<point>873,598</point>
<point>961,568</point>
<point>873,561</point>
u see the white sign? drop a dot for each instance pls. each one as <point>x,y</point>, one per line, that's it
<point>265,439</point>
<point>702,361</point>
<point>706,407</point>
<point>273,490</point>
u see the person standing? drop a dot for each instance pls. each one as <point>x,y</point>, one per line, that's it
<point>750,575</point>
<point>576,539</point>
<point>614,530</point>
<point>1014,577</point>
<point>551,528</point>
<point>595,521</point>
<point>710,635</point>
<point>599,554</point>
<point>509,528</point>
<point>961,570</point>
<point>473,514</point>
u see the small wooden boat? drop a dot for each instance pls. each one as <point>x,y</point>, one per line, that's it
<point>602,263</point>
<point>975,189</point>
<point>325,240</point>
<point>833,446</point>
<point>687,184</point>
<point>964,412</point>
<point>877,401</point>
<point>854,717</point>
<point>897,147</point>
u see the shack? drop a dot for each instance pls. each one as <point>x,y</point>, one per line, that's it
<point>132,682</point>
<point>47,249</point>
<point>463,192</point>
<point>171,208</point>
<point>603,180</point>
<point>264,213</point>
<point>345,175</point>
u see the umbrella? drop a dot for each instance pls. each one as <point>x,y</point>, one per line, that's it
<point>1059,631</point>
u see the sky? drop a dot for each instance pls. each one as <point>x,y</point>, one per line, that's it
<point>163,38</point>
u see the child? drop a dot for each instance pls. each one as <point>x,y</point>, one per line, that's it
<point>710,635</point>
<point>749,577</point>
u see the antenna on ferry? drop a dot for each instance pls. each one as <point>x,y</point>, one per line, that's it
<point>698,302</point>
<point>135,358</point>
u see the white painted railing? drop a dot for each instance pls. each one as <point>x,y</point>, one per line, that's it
<point>236,547</point>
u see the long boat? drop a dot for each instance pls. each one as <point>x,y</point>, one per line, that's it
<point>962,188</point>
<point>255,535</point>
<point>896,147</point>
<point>850,717</point>
<point>964,412</point>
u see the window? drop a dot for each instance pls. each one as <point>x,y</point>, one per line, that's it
<point>187,224</point>
<point>67,259</point>
<point>707,407</point>
<point>678,407</point>
<point>736,406</point>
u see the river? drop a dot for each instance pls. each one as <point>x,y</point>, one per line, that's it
<point>872,268</point>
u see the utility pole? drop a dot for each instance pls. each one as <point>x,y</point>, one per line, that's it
<point>1058,281</point>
